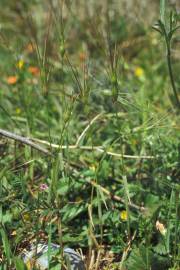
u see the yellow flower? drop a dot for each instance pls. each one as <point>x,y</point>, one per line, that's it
<point>154,41</point>
<point>18,110</point>
<point>138,72</point>
<point>20,64</point>
<point>160,227</point>
<point>29,265</point>
<point>26,217</point>
<point>14,233</point>
<point>78,199</point>
<point>92,168</point>
<point>123,215</point>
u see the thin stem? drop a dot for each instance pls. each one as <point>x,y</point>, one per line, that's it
<point>117,198</point>
<point>98,148</point>
<point>27,141</point>
<point>170,71</point>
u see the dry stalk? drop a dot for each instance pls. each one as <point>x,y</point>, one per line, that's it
<point>23,140</point>
<point>92,148</point>
<point>117,198</point>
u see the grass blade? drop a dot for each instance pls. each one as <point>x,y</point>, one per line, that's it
<point>162,10</point>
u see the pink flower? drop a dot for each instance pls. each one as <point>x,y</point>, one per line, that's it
<point>43,187</point>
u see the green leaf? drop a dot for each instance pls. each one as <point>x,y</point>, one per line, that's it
<point>57,166</point>
<point>56,267</point>
<point>138,258</point>
<point>19,264</point>
<point>6,218</point>
<point>71,211</point>
<point>155,27</point>
<point>63,186</point>
<point>102,196</point>
<point>160,249</point>
<point>6,245</point>
<point>162,11</point>
<point>152,201</point>
<point>171,33</point>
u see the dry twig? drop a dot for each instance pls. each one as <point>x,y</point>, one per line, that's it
<point>23,140</point>
<point>98,148</point>
<point>117,198</point>
<point>27,141</point>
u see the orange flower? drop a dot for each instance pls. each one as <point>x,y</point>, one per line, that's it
<point>12,79</point>
<point>34,70</point>
<point>30,48</point>
<point>82,56</point>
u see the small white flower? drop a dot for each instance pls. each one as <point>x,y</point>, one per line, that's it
<point>160,227</point>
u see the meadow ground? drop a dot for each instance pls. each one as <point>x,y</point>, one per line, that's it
<point>91,88</point>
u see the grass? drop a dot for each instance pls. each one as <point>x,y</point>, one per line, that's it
<point>92,91</point>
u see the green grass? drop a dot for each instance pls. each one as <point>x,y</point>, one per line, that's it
<point>97,87</point>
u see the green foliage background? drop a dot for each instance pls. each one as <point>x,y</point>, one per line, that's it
<point>99,61</point>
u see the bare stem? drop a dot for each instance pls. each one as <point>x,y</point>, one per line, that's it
<point>99,148</point>
<point>117,198</point>
<point>23,140</point>
<point>172,76</point>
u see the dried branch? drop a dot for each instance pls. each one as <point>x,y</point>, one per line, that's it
<point>126,250</point>
<point>23,140</point>
<point>92,148</point>
<point>30,142</point>
<point>117,198</point>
